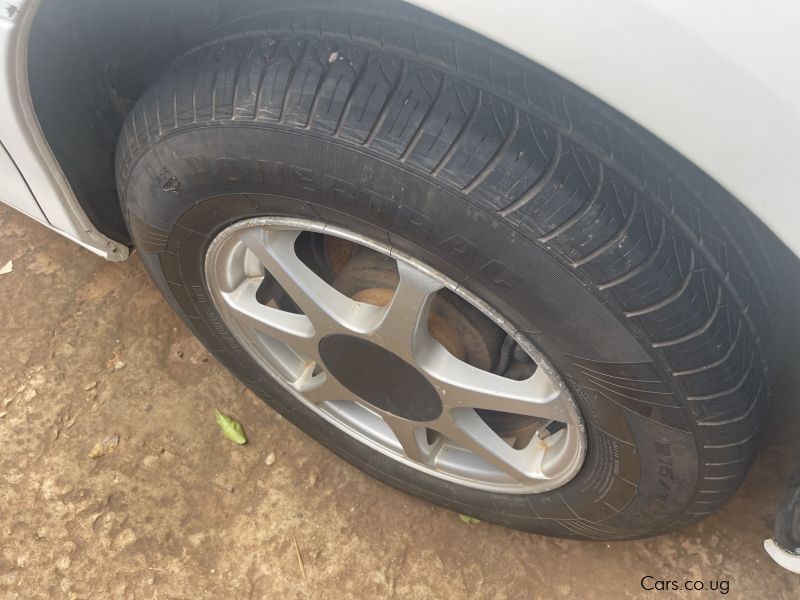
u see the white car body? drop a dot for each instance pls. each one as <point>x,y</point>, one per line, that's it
<point>715,80</point>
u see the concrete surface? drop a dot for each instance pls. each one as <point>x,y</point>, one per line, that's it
<point>89,349</point>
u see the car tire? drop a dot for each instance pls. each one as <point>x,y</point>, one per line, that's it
<point>581,230</point>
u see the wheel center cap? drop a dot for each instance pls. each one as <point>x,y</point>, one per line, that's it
<point>380,378</point>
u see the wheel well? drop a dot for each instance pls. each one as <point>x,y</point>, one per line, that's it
<point>90,60</point>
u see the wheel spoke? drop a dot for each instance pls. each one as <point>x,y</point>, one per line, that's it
<point>329,310</point>
<point>294,330</point>
<point>412,438</point>
<point>404,325</point>
<point>466,429</point>
<point>462,385</point>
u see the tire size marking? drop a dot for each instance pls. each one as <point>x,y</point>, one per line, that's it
<point>666,475</point>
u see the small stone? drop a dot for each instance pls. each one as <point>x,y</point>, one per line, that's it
<point>115,363</point>
<point>3,414</point>
<point>124,539</point>
<point>270,459</point>
<point>37,379</point>
<point>149,461</point>
<point>332,58</point>
<point>90,386</point>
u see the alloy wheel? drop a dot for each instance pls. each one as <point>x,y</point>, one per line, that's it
<point>386,367</point>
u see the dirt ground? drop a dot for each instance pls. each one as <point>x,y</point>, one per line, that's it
<point>88,349</point>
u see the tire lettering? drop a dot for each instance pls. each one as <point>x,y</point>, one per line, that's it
<point>198,165</point>
<point>666,476</point>
<point>500,274</point>
<point>408,219</point>
<point>338,190</point>
<point>457,245</point>
<point>380,207</point>
<point>377,205</point>
<point>301,178</point>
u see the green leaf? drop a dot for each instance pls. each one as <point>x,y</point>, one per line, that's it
<point>468,520</point>
<point>230,428</point>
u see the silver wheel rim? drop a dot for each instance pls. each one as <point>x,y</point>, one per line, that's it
<point>457,445</point>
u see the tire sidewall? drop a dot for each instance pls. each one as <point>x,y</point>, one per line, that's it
<point>639,473</point>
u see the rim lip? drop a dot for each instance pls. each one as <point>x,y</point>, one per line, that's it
<point>222,237</point>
